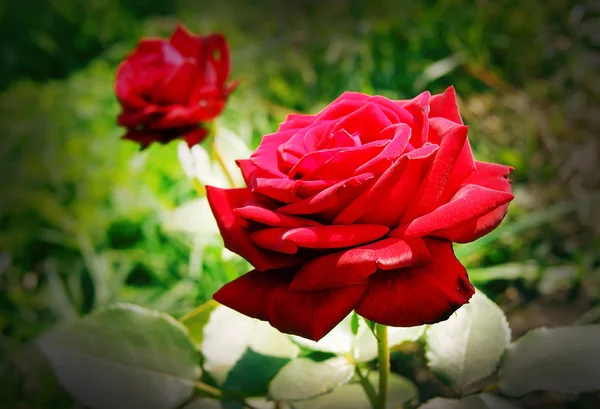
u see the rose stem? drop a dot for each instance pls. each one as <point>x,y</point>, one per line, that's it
<point>216,393</point>
<point>384,363</point>
<point>368,388</point>
<point>221,163</point>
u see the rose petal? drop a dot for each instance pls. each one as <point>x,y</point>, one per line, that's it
<point>367,122</point>
<point>286,240</point>
<point>281,189</point>
<point>176,89</point>
<point>335,195</point>
<point>469,203</point>
<point>249,172</point>
<point>451,138</point>
<point>236,238</point>
<point>444,105</point>
<point>399,135</point>
<point>259,214</point>
<point>342,164</point>
<point>355,265</point>
<point>296,121</point>
<point>195,137</point>
<point>266,155</point>
<point>493,176</point>
<point>419,108</point>
<point>266,296</point>
<point>302,142</point>
<point>413,296</point>
<point>312,161</point>
<point>386,201</point>
<point>216,54</point>
<point>185,42</point>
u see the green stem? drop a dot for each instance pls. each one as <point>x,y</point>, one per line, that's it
<point>368,388</point>
<point>211,390</point>
<point>217,393</point>
<point>384,363</point>
<point>221,163</point>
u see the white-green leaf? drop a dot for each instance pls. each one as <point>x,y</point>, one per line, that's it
<point>124,357</point>
<point>304,378</point>
<point>197,162</point>
<point>352,395</point>
<point>193,217</point>
<point>565,359</point>
<point>208,403</point>
<point>481,401</point>
<point>469,345</point>
<point>228,334</point>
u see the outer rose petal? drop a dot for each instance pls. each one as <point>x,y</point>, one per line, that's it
<point>418,295</point>
<point>266,296</point>
<point>444,105</point>
<point>185,42</point>
<point>194,137</point>
<point>493,176</point>
<point>296,121</point>
<point>236,238</point>
<point>469,203</point>
<point>354,265</point>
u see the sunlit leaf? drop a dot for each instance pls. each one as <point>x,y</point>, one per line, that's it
<point>352,395</point>
<point>304,378</point>
<point>124,357</point>
<point>228,334</point>
<point>468,345</point>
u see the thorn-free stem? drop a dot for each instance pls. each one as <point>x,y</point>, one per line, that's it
<point>384,364</point>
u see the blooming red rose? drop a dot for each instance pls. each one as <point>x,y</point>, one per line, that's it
<point>168,87</point>
<point>356,208</point>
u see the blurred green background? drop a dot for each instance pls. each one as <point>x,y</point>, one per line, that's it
<point>82,213</point>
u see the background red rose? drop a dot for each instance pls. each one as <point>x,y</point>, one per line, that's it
<point>357,208</point>
<point>167,87</point>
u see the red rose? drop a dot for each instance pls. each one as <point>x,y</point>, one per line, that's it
<point>167,87</point>
<point>356,208</point>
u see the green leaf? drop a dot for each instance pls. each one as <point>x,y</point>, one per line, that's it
<point>468,345</point>
<point>481,401</point>
<point>354,323</point>
<point>304,379</point>
<point>124,357</point>
<point>196,320</point>
<point>228,334</point>
<point>565,359</point>
<point>352,395</point>
<point>252,373</point>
